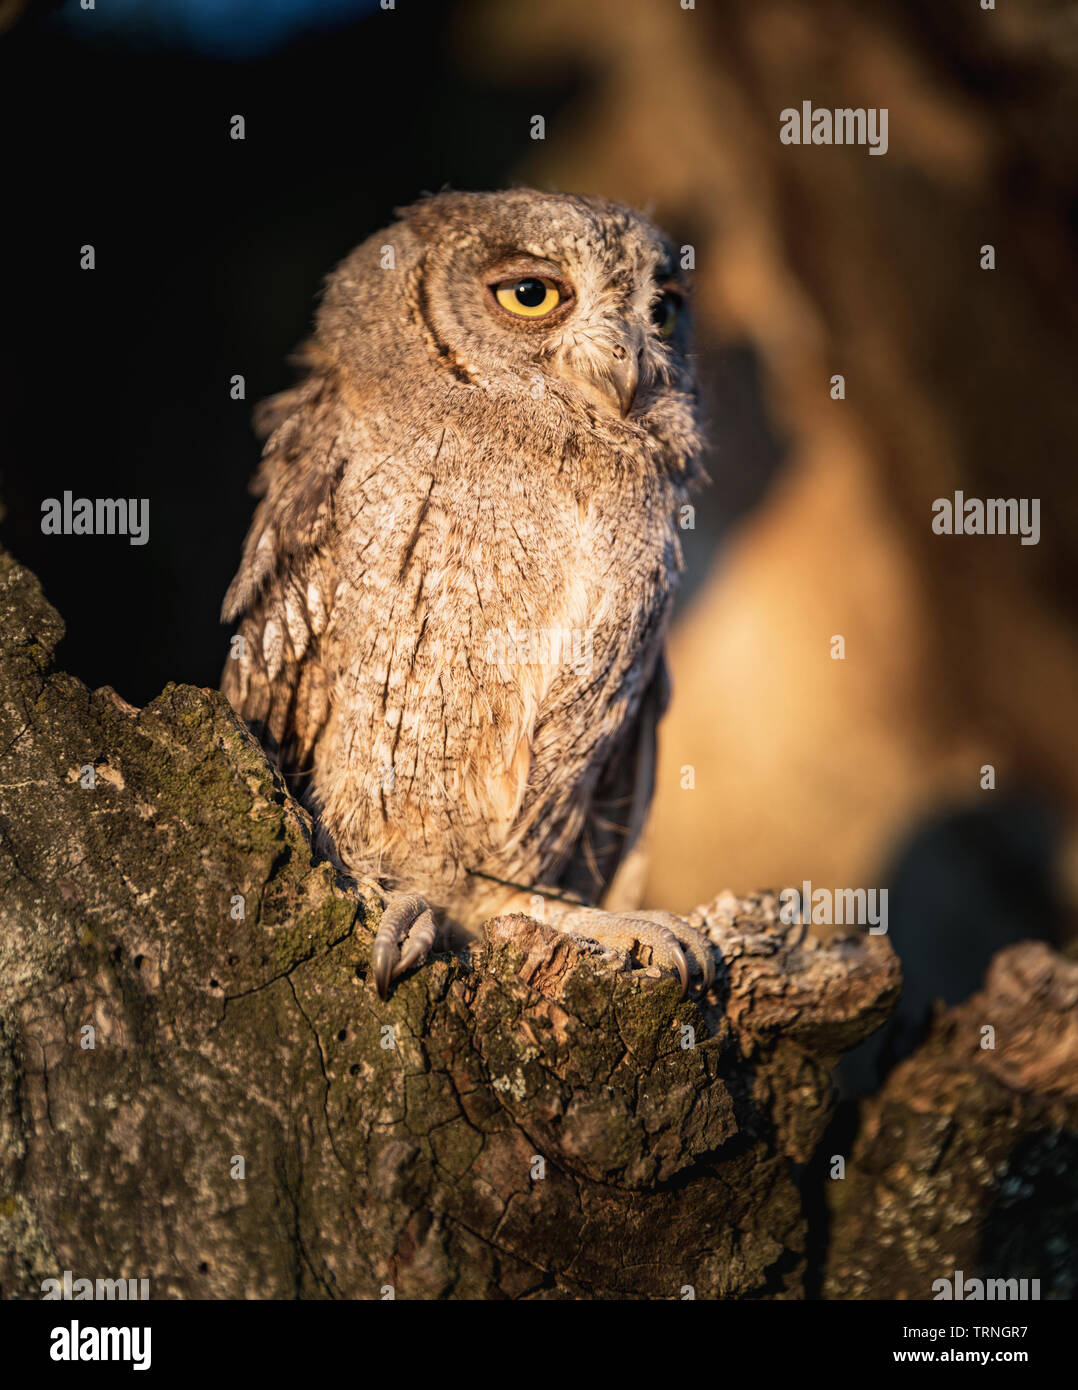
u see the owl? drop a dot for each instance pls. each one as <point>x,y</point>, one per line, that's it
<point>454,592</point>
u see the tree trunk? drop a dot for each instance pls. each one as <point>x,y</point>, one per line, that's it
<point>199,1085</point>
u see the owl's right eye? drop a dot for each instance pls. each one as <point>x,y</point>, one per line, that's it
<point>528,296</point>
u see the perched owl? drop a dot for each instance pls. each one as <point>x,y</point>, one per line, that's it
<point>454,593</point>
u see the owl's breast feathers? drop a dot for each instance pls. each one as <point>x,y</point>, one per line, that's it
<point>448,650</point>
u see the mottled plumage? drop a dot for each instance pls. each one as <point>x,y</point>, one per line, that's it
<point>452,487</point>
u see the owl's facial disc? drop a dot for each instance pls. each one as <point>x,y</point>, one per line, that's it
<point>600,340</point>
<point>573,296</point>
<point>535,298</point>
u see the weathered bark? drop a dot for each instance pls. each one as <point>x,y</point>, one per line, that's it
<point>372,1157</point>
<point>968,1159</point>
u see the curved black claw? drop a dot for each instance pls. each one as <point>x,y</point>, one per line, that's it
<point>682,942</point>
<point>404,938</point>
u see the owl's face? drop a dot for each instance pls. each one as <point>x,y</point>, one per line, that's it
<point>549,293</point>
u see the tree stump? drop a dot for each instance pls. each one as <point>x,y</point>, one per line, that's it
<point>199,1085</point>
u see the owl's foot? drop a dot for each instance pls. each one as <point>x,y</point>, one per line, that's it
<point>405,937</point>
<point>652,938</point>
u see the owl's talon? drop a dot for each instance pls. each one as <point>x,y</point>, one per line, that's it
<point>690,939</point>
<point>405,937</point>
<point>670,941</point>
<point>678,957</point>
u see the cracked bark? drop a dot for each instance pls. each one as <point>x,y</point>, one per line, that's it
<point>533,1125</point>
<point>967,1159</point>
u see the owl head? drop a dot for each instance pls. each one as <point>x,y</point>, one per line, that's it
<point>575,301</point>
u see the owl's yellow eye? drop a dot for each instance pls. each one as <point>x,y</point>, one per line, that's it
<point>664,315</point>
<point>529,296</point>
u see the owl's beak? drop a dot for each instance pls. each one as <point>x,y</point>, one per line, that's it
<point>609,377</point>
<point>625,376</point>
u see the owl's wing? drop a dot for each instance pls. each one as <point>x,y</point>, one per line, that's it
<point>283,591</point>
<point>619,807</point>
